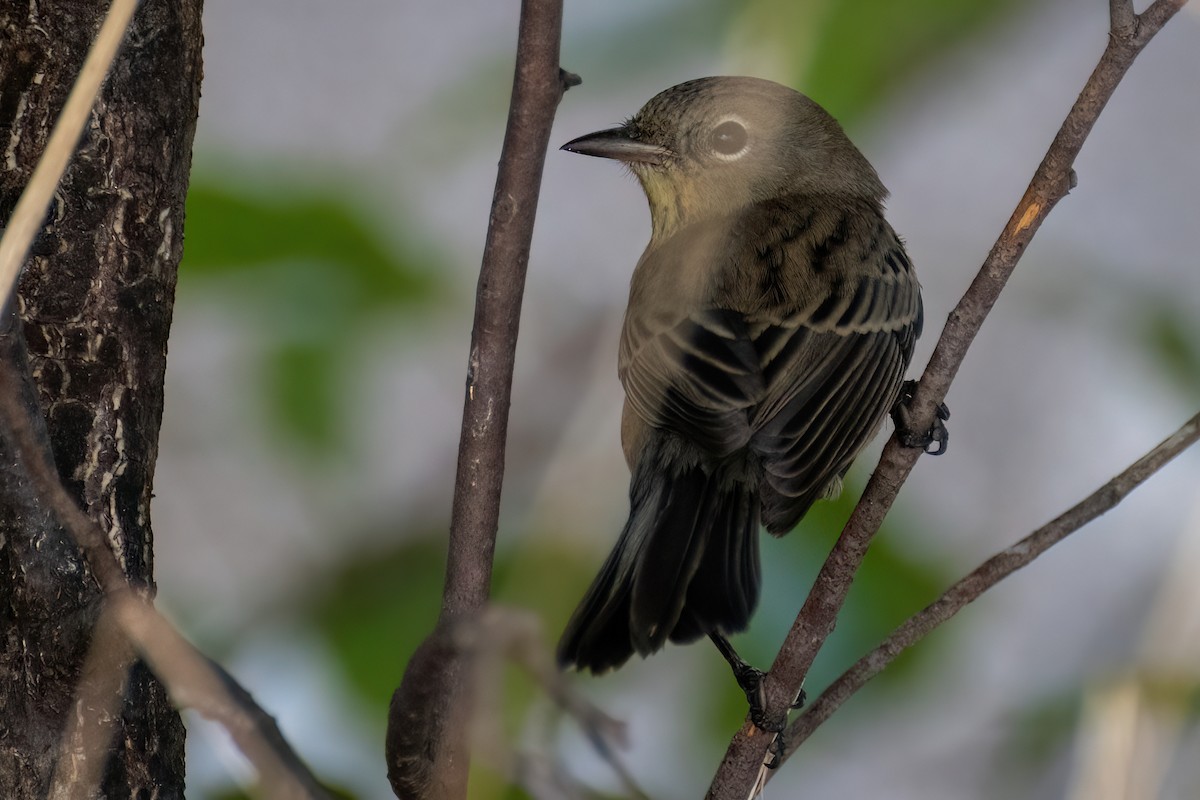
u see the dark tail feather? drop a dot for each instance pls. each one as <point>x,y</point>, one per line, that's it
<point>686,563</point>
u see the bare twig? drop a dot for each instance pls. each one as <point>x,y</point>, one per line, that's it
<point>987,575</point>
<point>192,680</point>
<point>538,85</point>
<point>195,681</point>
<point>95,711</point>
<point>479,645</point>
<point>740,767</point>
<point>31,207</point>
<point>537,88</point>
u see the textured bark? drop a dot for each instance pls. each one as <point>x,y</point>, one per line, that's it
<point>95,309</point>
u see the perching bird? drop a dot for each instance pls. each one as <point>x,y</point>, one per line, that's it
<point>770,323</point>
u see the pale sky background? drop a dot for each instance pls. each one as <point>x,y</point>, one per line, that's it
<point>1054,398</point>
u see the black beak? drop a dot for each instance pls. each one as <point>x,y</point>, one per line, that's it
<point>616,143</point>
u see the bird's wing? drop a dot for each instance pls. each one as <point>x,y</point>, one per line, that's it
<point>804,378</point>
<point>833,370</point>
<point>699,377</point>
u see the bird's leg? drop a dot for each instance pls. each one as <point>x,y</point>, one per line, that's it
<point>750,679</point>
<point>938,436</point>
<point>747,677</point>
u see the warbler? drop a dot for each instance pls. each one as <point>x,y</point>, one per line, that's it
<point>771,320</point>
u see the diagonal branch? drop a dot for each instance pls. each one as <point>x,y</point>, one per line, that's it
<point>987,575</point>
<point>740,768</point>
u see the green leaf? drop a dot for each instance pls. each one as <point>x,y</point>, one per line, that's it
<point>302,382</point>
<point>234,230</point>
<point>1172,337</point>
<point>849,54</point>
<point>376,610</point>
<point>312,272</point>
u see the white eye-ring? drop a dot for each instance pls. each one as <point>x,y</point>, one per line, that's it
<point>729,141</point>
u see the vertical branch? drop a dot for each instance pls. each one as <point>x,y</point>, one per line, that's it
<point>537,89</point>
<point>426,747</point>
<point>1129,33</point>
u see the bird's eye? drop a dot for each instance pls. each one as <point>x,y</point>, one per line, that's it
<point>728,138</point>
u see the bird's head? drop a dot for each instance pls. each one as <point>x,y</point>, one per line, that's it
<point>709,147</point>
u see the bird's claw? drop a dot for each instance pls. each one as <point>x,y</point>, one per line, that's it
<point>775,752</point>
<point>778,746</point>
<point>936,437</point>
<point>750,680</point>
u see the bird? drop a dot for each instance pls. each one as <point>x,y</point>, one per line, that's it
<point>771,320</point>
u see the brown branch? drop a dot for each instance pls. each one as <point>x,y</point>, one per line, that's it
<point>987,575</point>
<point>537,89</point>
<point>191,679</point>
<point>95,708</point>
<point>194,681</point>
<point>480,645</point>
<point>538,86</point>
<point>741,766</point>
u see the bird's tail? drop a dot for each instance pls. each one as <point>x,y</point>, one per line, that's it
<point>685,564</point>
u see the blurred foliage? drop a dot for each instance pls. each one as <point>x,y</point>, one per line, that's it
<point>1170,334</point>
<point>865,48</point>
<point>1048,727</point>
<point>847,54</point>
<point>235,793</point>
<point>376,609</point>
<point>313,270</point>
<point>1038,735</point>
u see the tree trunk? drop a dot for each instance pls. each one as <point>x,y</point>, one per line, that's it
<point>95,309</point>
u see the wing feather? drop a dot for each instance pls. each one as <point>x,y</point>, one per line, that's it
<point>790,362</point>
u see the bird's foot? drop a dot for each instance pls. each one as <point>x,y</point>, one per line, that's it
<point>750,679</point>
<point>937,437</point>
<point>777,750</point>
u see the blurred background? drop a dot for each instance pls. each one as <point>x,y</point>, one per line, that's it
<point>343,172</point>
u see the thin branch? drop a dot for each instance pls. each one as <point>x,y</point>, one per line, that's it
<point>537,89</point>
<point>191,679</point>
<point>31,208</point>
<point>538,86</point>
<point>1121,17</point>
<point>1054,177</point>
<point>194,681</point>
<point>987,575</point>
<point>95,712</point>
<point>480,645</point>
